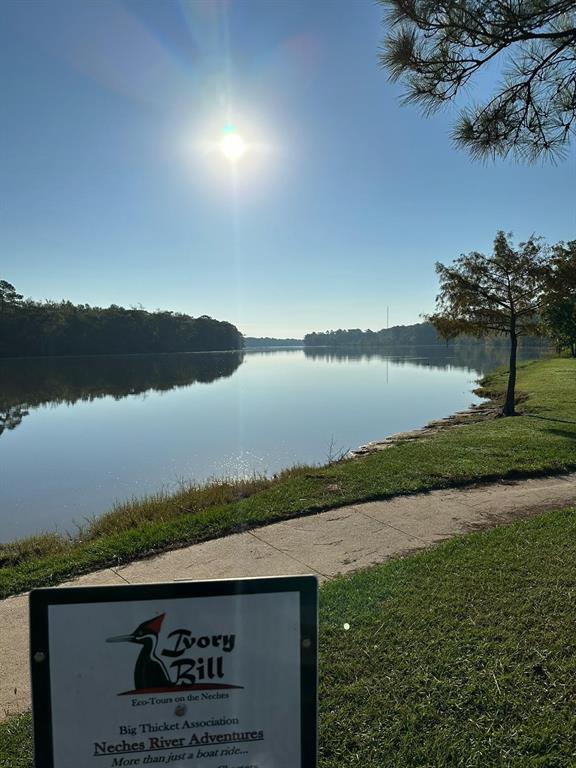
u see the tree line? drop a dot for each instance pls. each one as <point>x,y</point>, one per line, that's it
<point>416,335</point>
<point>29,328</point>
<point>420,333</point>
<point>532,289</point>
<point>263,342</point>
<point>514,293</point>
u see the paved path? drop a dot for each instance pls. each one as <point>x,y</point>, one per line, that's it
<point>327,544</point>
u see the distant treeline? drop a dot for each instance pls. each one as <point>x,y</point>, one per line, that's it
<point>30,328</point>
<point>420,334</point>
<point>251,342</point>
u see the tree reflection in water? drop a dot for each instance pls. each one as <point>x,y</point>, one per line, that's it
<point>28,383</point>
<point>476,357</point>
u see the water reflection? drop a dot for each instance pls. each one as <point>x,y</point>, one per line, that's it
<point>474,357</point>
<point>98,430</point>
<point>32,382</point>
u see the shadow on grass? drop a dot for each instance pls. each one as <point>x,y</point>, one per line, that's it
<point>549,418</point>
<point>563,433</point>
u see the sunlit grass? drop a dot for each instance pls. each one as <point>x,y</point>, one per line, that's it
<point>460,656</point>
<point>189,499</point>
<point>16,742</point>
<point>160,507</point>
<point>13,553</point>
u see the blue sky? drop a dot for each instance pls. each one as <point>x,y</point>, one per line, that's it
<point>340,207</point>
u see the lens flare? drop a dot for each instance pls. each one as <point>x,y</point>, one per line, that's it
<point>233,146</point>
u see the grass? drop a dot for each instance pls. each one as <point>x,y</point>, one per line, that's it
<point>464,655</point>
<point>461,656</point>
<point>159,507</point>
<point>542,440</point>
<point>16,742</point>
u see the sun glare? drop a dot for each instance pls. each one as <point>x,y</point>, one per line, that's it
<point>233,146</point>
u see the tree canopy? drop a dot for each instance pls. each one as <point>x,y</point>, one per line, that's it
<point>559,310</point>
<point>62,328</point>
<point>8,295</point>
<point>438,48</point>
<point>498,294</point>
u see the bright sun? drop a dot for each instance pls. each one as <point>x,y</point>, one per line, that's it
<point>233,146</point>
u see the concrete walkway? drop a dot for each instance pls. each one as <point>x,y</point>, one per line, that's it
<point>327,544</point>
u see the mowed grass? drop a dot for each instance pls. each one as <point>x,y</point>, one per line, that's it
<point>464,655</point>
<point>461,656</point>
<point>542,440</point>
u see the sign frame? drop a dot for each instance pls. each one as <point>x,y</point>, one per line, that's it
<point>40,600</point>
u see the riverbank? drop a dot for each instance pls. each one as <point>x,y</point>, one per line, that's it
<point>472,415</point>
<point>541,440</point>
<point>328,545</point>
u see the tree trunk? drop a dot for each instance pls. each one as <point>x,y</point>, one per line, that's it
<point>508,409</point>
<point>573,347</point>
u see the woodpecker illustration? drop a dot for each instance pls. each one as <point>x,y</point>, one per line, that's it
<point>149,671</point>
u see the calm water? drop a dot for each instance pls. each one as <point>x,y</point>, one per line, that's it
<point>78,434</point>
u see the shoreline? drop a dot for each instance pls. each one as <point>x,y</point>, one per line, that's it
<point>437,456</point>
<point>81,511</point>
<point>475,413</point>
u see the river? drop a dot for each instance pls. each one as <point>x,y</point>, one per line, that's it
<point>80,433</point>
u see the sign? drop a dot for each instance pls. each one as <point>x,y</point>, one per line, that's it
<point>213,674</point>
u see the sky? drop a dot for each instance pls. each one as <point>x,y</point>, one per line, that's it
<point>113,190</point>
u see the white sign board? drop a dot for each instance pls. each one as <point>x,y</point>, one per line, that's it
<point>206,674</point>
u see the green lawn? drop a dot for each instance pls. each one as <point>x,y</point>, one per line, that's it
<point>461,656</point>
<point>464,655</point>
<point>543,440</point>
